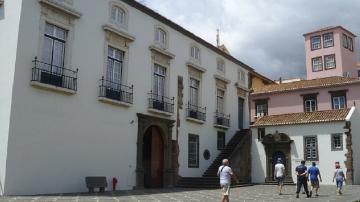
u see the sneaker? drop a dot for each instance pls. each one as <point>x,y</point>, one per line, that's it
<point>310,193</point>
<point>316,195</point>
<point>297,195</point>
<point>303,192</point>
<point>340,192</point>
<point>280,193</point>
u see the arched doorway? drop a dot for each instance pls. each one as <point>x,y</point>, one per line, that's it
<point>153,158</point>
<point>277,146</point>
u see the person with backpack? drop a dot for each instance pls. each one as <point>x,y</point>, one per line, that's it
<point>225,173</point>
<point>340,178</point>
<point>315,176</point>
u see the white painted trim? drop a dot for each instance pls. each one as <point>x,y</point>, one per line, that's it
<point>118,32</point>
<point>160,112</point>
<point>195,120</point>
<point>221,126</point>
<point>241,87</point>
<point>70,11</point>
<point>164,52</point>
<point>114,102</point>
<point>348,117</point>
<point>227,81</point>
<point>43,86</point>
<point>195,66</point>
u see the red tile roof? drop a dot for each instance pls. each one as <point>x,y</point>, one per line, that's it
<point>306,84</point>
<point>329,28</point>
<point>302,118</point>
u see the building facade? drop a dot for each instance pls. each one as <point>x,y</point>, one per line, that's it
<point>110,88</point>
<point>312,120</point>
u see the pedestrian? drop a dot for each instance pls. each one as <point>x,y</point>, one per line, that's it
<point>279,174</point>
<point>340,178</point>
<point>315,176</point>
<point>225,173</point>
<point>301,173</point>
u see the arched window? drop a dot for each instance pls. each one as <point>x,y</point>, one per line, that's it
<point>221,65</point>
<point>195,53</point>
<point>161,37</point>
<point>118,15</point>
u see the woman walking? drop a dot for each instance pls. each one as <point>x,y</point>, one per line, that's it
<point>340,178</point>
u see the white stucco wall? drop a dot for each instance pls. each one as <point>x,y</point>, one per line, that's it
<point>327,158</point>
<point>56,140</point>
<point>355,131</point>
<point>9,25</point>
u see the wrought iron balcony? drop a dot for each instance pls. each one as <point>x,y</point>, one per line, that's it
<point>50,74</point>
<point>115,91</point>
<point>161,103</point>
<point>196,112</point>
<point>222,119</point>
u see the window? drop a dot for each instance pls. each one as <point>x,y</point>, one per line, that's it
<point>261,107</point>
<point>315,42</point>
<point>159,81</point>
<point>193,151</point>
<point>329,61</point>
<point>261,133</point>
<point>345,41</point>
<point>114,67</point>
<point>338,99</point>
<point>195,53</point>
<point>220,140</point>
<point>336,142</point>
<point>350,43</point>
<point>194,92</point>
<point>221,65</point>
<point>54,48</point>
<point>310,102</point>
<point>118,15</point>
<point>317,64</point>
<point>241,76</point>
<point>328,39</point>
<point>160,37</point>
<point>310,148</point>
<point>220,101</point>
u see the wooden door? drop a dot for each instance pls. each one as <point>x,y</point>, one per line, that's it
<point>157,158</point>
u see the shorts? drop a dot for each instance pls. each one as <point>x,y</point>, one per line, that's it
<point>315,183</point>
<point>339,183</point>
<point>280,180</point>
<point>225,189</point>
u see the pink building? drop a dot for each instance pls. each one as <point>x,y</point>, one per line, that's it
<point>330,52</point>
<point>316,120</point>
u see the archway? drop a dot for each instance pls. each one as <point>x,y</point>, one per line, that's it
<point>277,146</point>
<point>153,158</point>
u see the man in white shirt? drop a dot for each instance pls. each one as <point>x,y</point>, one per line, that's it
<point>225,173</point>
<point>279,174</point>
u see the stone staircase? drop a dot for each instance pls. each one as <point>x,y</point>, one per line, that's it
<point>210,179</point>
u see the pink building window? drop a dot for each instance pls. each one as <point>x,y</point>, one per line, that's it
<point>338,99</point>
<point>310,102</point>
<point>261,107</point>
<point>329,61</point>
<point>317,64</point>
<point>348,42</point>
<point>315,42</point>
<point>328,39</point>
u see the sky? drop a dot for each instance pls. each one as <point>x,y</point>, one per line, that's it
<point>264,34</point>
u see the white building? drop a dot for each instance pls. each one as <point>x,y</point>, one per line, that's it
<point>101,88</point>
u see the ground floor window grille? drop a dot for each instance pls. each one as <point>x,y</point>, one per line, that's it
<point>311,148</point>
<point>220,140</point>
<point>193,151</point>
<point>336,142</point>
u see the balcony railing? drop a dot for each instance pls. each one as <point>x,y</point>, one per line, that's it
<point>115,91</point>
<point>196,112</point>
<point>50,74</point>
<point>161,103</point>
<point>222,119</point>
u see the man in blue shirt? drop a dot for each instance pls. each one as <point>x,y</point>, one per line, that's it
<point>301,172</point>
<point>314,175</point>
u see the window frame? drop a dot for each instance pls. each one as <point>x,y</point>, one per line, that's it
<point>312,96</point>
<point>341,147</point>
<point>350,43</point>
<point>197,143</point>
<point>220,62</point>
<point>241,77</point>
<point>338,94</point>
<point>156,74</point>
<point>113,59</point>
<point>162,41</point>
<point>259,103</point>
<point>324,62</point>
<point>326,41</point>
<point>312,43</point>
<point>120,6</point>
<point>221,135</point>
<point>195,89</point>
<point>312,64</point>
<point>220,98</point>
<point>261,134</point>
<point>344,41</point>
<point>316,147</point>
<point>197,53</point>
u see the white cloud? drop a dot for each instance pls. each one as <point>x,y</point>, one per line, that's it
<point>265,34</point>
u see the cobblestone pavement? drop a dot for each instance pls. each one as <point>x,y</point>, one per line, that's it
<point>251,193</point>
